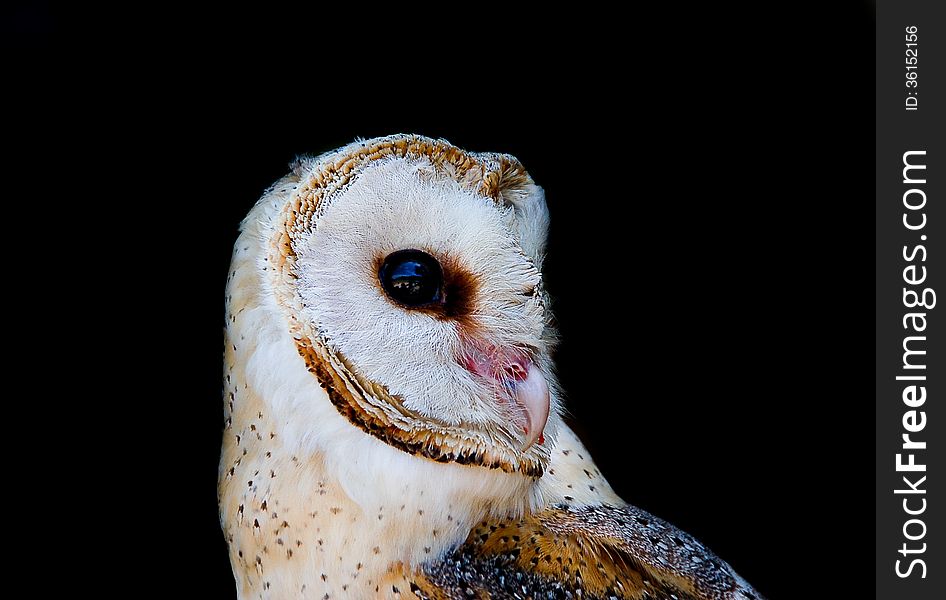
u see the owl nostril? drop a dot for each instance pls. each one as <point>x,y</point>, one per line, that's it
<point>505,366</point>
<point>516,371</point>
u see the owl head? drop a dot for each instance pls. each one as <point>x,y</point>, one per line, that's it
<point>409,272</point>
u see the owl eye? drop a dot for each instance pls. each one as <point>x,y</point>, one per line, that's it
<point>411,278</point>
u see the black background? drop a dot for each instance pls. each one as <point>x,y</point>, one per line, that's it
<point>710,185</point>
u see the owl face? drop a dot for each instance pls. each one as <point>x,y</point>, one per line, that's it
<point>419,298</point>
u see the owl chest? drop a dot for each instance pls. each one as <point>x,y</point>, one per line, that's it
<point>294,532</point>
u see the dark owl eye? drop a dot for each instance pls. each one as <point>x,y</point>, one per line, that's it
<point>412,278</point>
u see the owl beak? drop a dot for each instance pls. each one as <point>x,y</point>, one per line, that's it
<point>532,394</point>
<point>520,380</point>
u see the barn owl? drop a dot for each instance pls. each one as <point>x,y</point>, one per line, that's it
<point>392,419</point>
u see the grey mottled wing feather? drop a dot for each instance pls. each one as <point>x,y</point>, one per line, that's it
<point>600,551</point>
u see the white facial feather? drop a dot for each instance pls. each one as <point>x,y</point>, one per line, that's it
<point>398,204</point>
